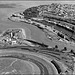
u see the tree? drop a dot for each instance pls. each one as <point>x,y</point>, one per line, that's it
<point>72,51</point>
<point>72,27</point>
<point>65,49</point>
<point>56,46</point>
<point>72,31</point>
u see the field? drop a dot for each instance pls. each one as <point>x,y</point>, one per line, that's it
<point>32,32</point>
<point>32,61</point>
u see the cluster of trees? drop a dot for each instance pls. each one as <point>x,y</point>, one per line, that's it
<point>64,49</point>
<point>56,48</point>
<point>31,12</point>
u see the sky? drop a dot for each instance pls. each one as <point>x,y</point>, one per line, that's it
<point>37,0</point>
<point>69,1</point>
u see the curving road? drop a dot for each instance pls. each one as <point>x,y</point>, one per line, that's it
<point>44,64</point>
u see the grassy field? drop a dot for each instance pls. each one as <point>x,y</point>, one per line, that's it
<point>32,32</point>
